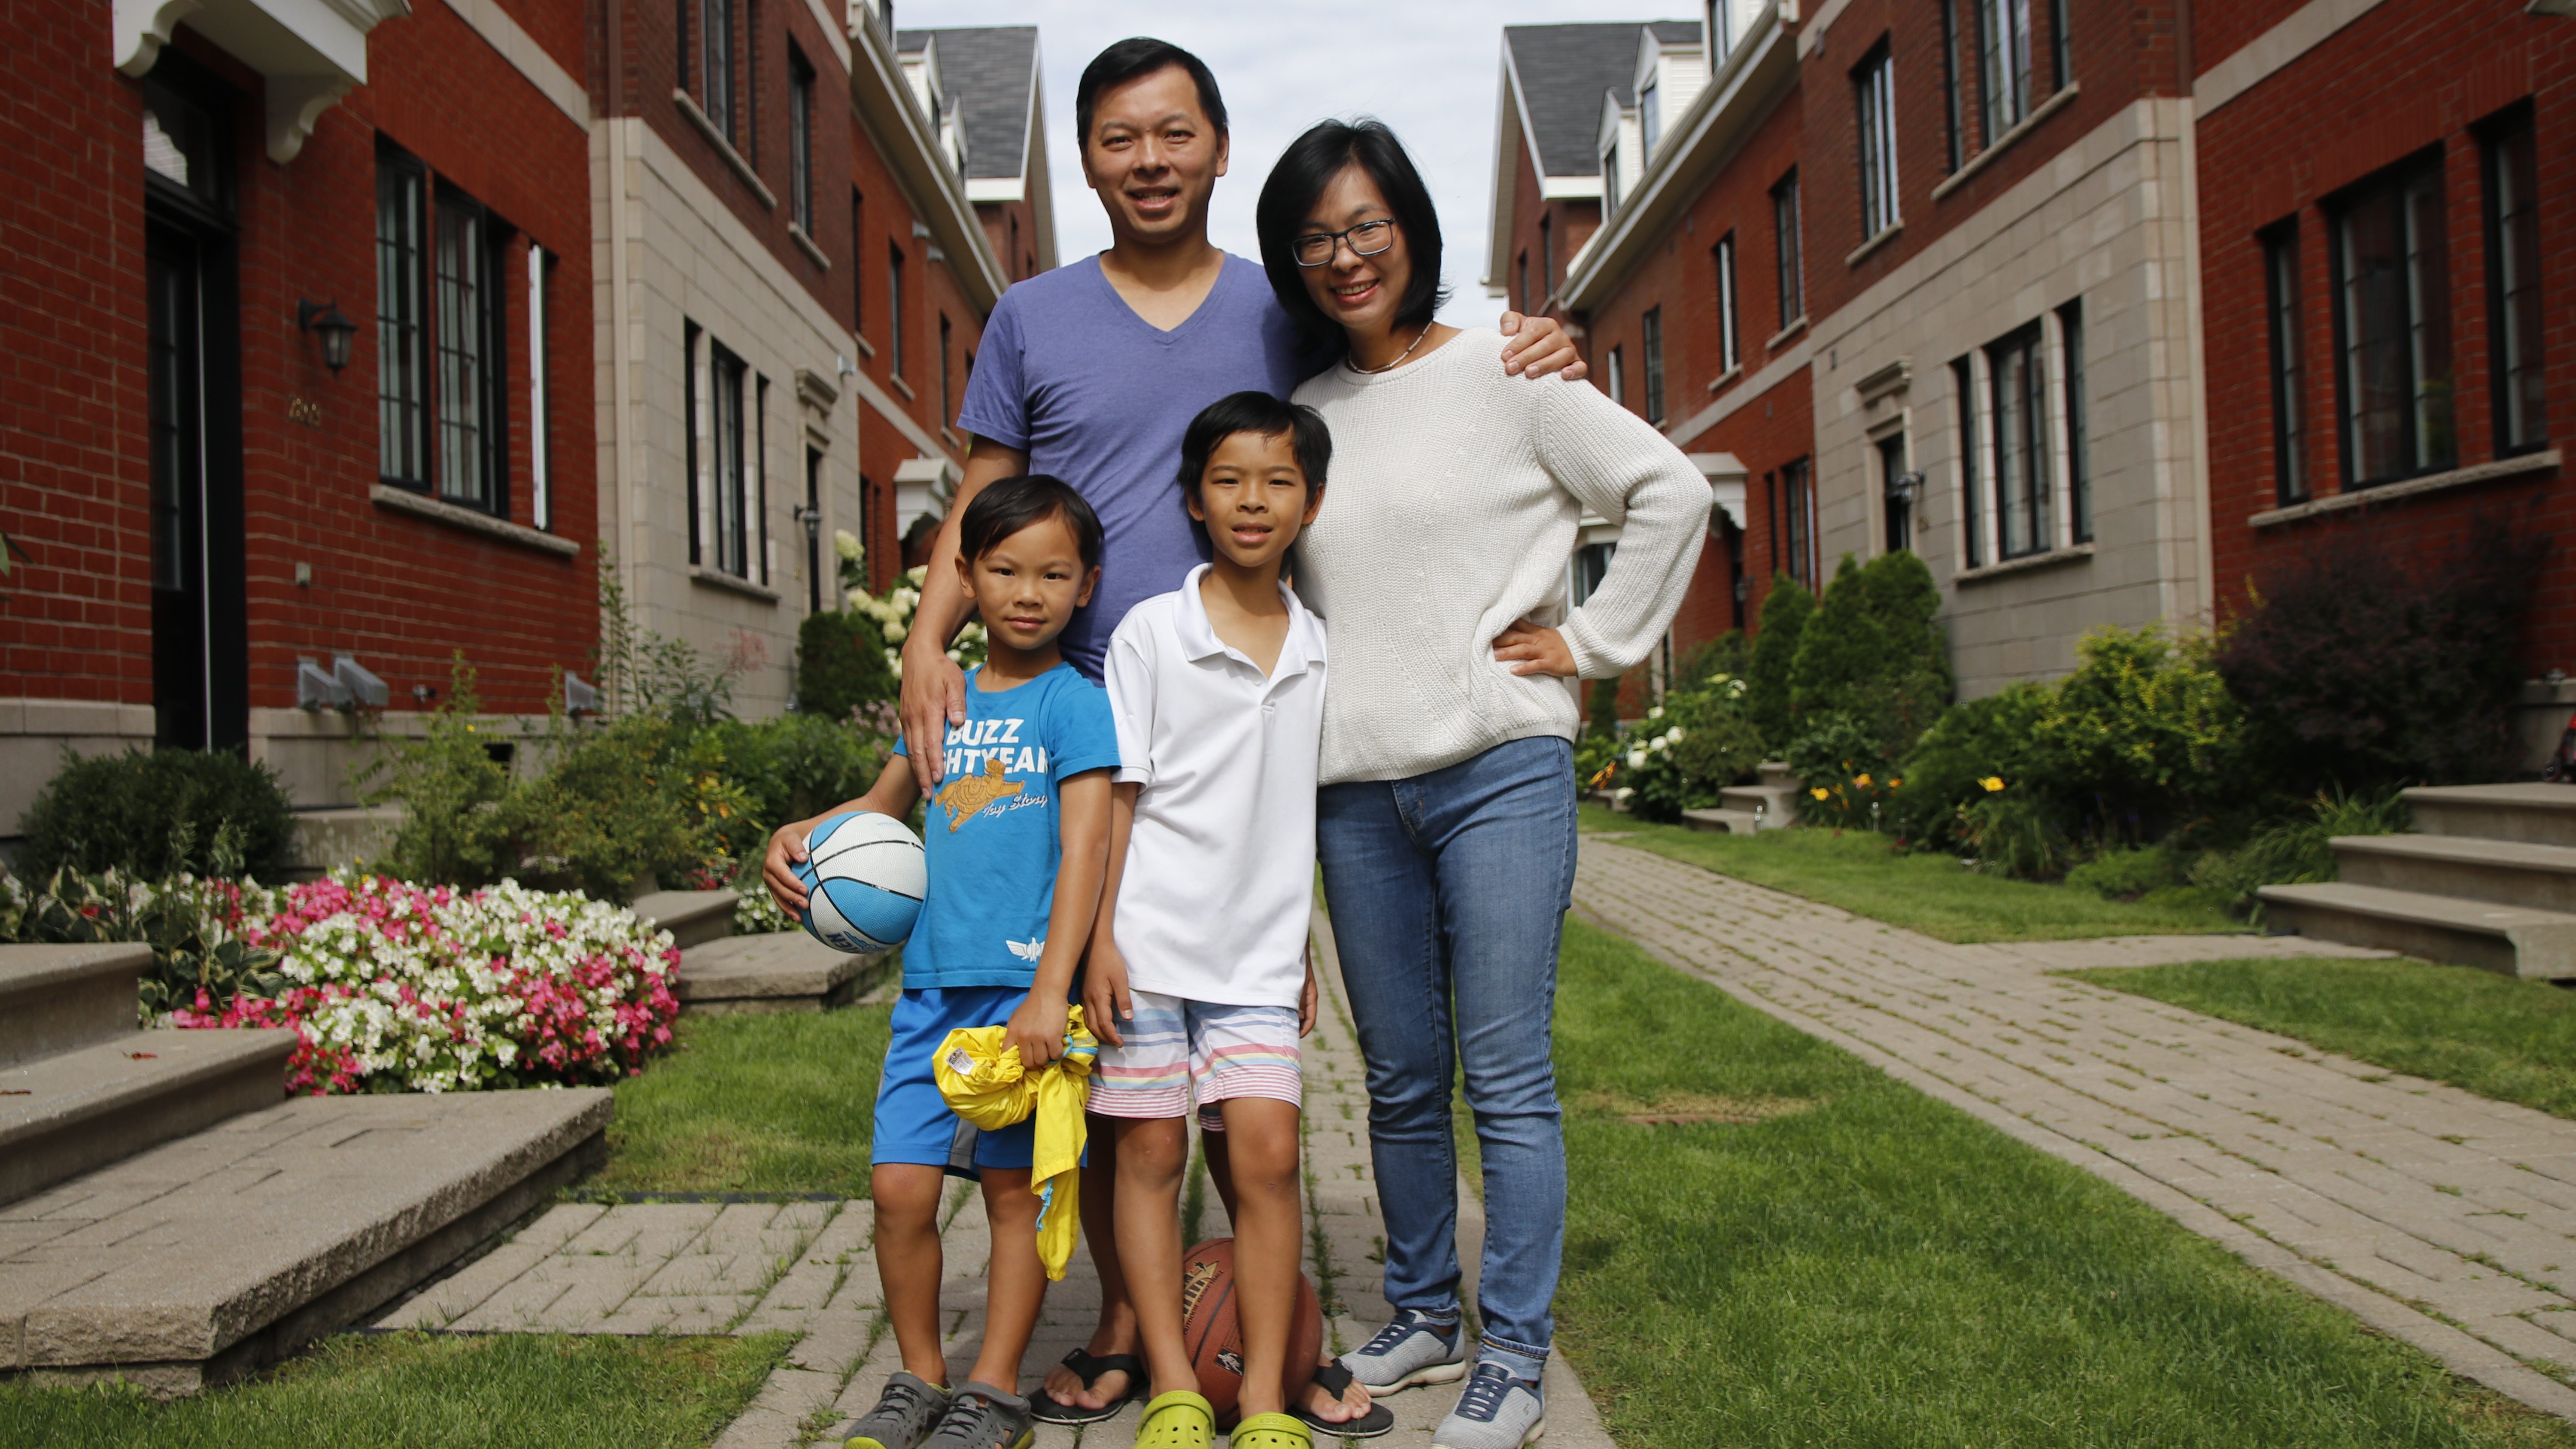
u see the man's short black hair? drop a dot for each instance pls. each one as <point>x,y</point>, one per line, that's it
<point>1008,505</point>
<point>1257,412</point>
<point>1133,59</point>
<point>1308,166</point>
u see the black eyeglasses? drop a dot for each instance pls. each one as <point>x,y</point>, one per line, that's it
<point>1367,240</point>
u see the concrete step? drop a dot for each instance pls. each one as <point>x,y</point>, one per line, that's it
<point>2502,872</point>
<point>2534,813</point>
<point>692,917</point>
<point>2513,940</point>
<point>204,1259</point>
<point>57,998</point>
<point>1721,822</point>
<point>68,1113</point>
<point>325,840</point>
<point>1777,772</point>
<point>775,971</point>
<point>1777,804</point>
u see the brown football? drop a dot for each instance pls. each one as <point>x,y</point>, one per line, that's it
<point>1215,1340</point>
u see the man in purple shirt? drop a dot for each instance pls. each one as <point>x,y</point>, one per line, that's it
<point>1091,373</point>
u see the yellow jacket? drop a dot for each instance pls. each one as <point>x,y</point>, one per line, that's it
<point>983,1082</point>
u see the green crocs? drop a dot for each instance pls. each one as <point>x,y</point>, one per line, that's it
<point>1177,1420</point>
<point>1273,1431</point>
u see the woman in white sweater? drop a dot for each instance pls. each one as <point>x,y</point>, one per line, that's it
<point>1446,819</point>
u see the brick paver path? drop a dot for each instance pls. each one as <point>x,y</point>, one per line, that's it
<point>2442,1218</point>
<point>806,1268</point>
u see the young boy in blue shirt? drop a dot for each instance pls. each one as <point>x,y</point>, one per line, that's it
<point>1017,842</point>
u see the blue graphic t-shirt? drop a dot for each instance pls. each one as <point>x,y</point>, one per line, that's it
<point>991,830</point>
<point>1099,397</point>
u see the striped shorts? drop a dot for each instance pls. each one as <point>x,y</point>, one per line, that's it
<point>1180,1051</point>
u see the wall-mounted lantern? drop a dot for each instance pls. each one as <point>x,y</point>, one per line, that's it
<point>334,325</point>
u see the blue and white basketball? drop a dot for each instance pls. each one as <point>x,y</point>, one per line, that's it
<point>864,878</point>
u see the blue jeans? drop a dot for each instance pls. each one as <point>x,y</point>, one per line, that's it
<point>1448,893</point>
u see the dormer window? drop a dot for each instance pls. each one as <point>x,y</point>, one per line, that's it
<point>1721,32</point>
<point>1610,179</point>
<point>1650,114</point>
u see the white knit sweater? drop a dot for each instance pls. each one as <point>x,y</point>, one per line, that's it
<point>1451,510</point>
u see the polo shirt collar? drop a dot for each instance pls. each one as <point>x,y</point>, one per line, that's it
<point>1302,650</point>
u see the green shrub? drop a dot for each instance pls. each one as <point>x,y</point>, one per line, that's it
<point>2128,875</point>
<point>191,926</point>
<point>618,804</point>
<point>1849,783</point>
<point>1874,653</point>
<point>1973,743</point>
<point>2018,834</point>
<point>2295,851</point>
<point>1596,758</point>
<point>1602,716</point>
<point>1728,656</point>
<point>841,665</point>
<point>797,766</point>
<point>1775,652</point>
<point>457,828</point>
<point>158,813</point>
<point>2142,739</point>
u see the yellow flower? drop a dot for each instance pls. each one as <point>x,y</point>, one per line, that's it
<point>1863,780</point>
<point>1896,784</point>
<point>1818,792</point>
<point>1992,783</point>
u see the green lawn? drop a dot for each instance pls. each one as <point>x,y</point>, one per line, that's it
<point>410,1391</point>
<point>1863,873</point>
<point>1818,1255</point>
<point>2489,1034</point>
<point>768,1103</point>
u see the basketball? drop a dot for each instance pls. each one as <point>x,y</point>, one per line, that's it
<point>863,877</point>
<point>1215,1340</point>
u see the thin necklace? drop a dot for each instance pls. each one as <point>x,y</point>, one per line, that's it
<point>1399,357</point>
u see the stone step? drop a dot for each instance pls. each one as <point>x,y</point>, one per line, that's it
<point>1777,804</point>
<point>1721,822</point>
<point>2513,940</point>
<point>68,1113</point>
<point>202,1260</point>
<point>2532,812</point>
<point>2503,872</point>
<point>1778,772</point>
<point>327,839</point>
<point>692,917</point>
<point>774,971</point>
<point>57,998</point>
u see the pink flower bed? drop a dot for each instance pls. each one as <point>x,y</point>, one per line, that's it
<point>394,987</point>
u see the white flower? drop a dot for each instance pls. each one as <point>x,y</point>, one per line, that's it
<point>1636,759</point>
<point>1673,736</point>
<point>1656,713</point>
<point>894,631</point>
<point>1659,744</point>
<point>846,544</point>
<point>916,574</point>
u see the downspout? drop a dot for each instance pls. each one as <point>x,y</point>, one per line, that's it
<point>628,526</point>
<point>2205,607</point>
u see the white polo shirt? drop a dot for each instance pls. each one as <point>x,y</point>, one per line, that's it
<point>1220,877</point>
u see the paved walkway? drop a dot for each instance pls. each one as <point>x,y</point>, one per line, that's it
<point>2439,1217</point>
<point>807,1268</point>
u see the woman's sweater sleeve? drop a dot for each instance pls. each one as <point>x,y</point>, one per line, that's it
<point>1621,468</point>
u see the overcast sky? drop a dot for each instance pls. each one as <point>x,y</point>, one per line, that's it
<point>1428,68</point>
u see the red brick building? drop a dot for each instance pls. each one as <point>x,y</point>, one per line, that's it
<point>201,502</point>
<point>2387,298</point>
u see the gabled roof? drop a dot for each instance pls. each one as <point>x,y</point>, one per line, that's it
<point>1559,73</point>
<point>990,73</point>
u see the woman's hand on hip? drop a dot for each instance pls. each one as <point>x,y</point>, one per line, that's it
<point>1528,648</point>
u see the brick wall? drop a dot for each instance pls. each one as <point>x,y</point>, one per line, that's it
<point>2407,78</point>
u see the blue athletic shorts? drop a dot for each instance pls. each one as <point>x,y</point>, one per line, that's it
<point>914,1124</point>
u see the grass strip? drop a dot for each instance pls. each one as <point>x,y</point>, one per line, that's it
<point>1864,873</point>
<point>1854,1263</point>
<point>419,1391</point>
<point>767,1103</point>
<point>2511,1040</point>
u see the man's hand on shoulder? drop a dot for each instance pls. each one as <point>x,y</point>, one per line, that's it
<point>1539,346</point>
<point>934,697</point>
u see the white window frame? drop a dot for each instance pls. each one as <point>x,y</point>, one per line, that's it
<point>541,498</point>
<point>1876,88</point>
<point>2003,65</point>
<point>1730,345</point>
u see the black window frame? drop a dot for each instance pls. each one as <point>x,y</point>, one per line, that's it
<point>717,91</point>
<point>1730,341</point>
<point>2420,447</point>
<point>729,445</point>
<point>690,336</point>
<point>1788,250</point>
<point>470,474</point>
<point>2022,436</point>
<point>1546,258</point>
<point>402,338</point>
<point>1955,152</point>
<point>894,308</point>
<point>858,273</point>
<point>1650,348</point>
<point>2076,413</point>
<point>2507,180</point>
<point>947,367</point>
<point>1898,513</point>
<point>1617,381</point>
<point>1874,102</point>
<point>2002,105</point>
<point>800,140</point>
<point>2285,321</point>
<point>1798,496</point>
<point>1963,381</point>
<point>2061,45</point>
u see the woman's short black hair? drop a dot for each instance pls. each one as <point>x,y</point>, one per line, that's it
<point>1133,59</point>
<point>1304,170</point>
<point>1257,412</point>
<point>1007,505</point>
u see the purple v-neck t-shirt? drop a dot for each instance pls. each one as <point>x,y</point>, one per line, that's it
<point>1099,397</point>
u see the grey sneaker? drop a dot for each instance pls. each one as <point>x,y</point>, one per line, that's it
<point>902,1417</point>
<point>1497,1411</point>
<point>1414,1349</point>
<point>984,1417</point>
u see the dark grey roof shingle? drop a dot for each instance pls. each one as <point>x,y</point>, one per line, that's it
<point>1564,69</point>
<point>989,70</point>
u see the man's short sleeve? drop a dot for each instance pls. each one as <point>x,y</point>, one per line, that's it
<point>1128,675</point>
<point>1082,733</point>
<point>997,403</point>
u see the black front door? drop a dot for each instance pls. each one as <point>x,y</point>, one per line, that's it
<point>172,271</point>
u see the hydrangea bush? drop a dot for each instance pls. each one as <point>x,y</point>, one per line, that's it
<point>893,610</point>
<point>396,987</point>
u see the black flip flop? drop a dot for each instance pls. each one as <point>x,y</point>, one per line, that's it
<point>1334,1379</point>
<point>1088,1367</point>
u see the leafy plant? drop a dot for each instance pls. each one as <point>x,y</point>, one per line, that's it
<point>644,672</point>
<point>1728,656</point>
<point>797,766</point>
<point>1785,612</point>
<point>841,665</point>
<point>1848,780</point>
<point>457,828</point>
<point>2140,739</point>
<point>1874,653</point>
<point>1602,708</point>
<point>1688,750</point>
<point>1977,748</point>
<point>156,813</point>
<point>2359,668</point>
<point>192,926</point>
<point>2297,850</point>
<point>637,799</point>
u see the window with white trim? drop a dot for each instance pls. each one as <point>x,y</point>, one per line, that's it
<point>2003,64</point>
<point>1874,89</point>
<point>1730,350</point>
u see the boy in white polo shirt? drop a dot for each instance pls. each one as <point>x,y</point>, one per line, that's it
<point>1198,978</point>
